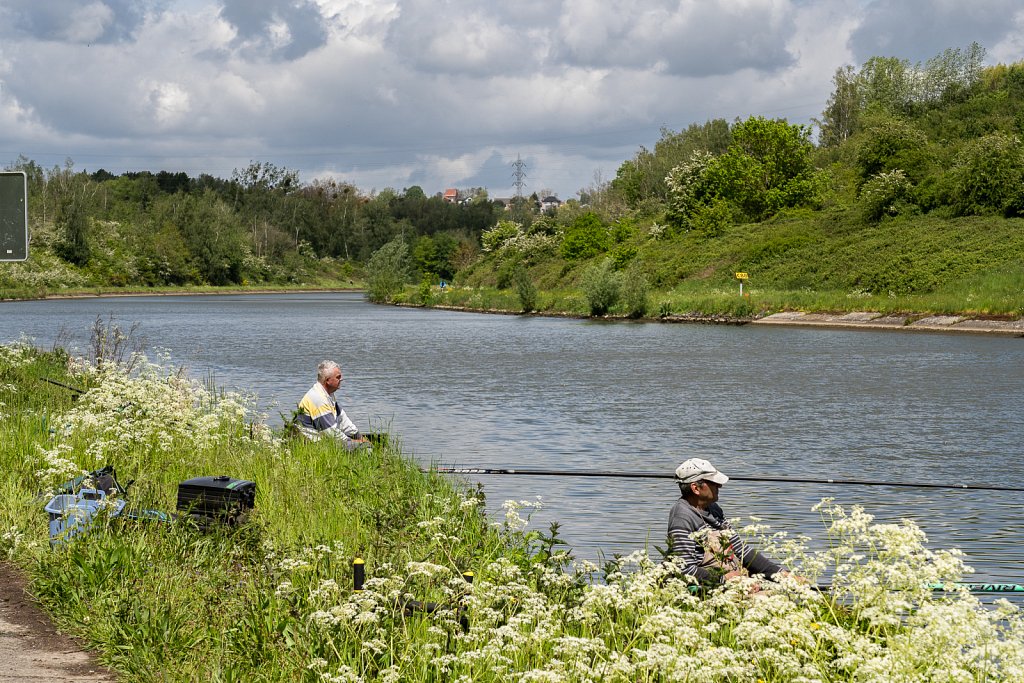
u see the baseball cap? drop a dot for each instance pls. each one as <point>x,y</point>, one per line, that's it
<point>696,469</point>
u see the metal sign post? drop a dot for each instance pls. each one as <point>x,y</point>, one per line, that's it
<point>13,216</point>
<point>741,277</point>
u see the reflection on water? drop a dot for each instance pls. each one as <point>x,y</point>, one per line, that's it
<point>505,391</point>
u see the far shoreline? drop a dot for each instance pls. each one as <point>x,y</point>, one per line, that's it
<point>857,320</point>
<point>184,291</point>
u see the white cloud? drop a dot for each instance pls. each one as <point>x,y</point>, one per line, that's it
<point>167,103</point>
<point>88,23</point>
<point>1011,48</point>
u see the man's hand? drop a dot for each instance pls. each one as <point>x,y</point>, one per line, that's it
<point>795,577</point>
<point>755,587</point>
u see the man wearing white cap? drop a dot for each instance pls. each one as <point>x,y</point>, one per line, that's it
<point>699,534</point>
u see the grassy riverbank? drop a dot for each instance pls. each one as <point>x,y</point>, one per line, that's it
<point>273,600</point>
<point>915,265</point>
<point>991,298</point>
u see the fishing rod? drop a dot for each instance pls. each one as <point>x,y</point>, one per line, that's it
<point>658,475</point>
<point>76,390</point>
<point>979,587</point>
<point>951,587</point>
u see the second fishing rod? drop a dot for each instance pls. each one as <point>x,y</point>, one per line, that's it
<point>508,471</point>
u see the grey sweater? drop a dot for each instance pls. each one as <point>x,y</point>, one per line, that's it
<point>708,565</point>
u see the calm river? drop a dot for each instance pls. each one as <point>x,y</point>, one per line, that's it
<point>524,392</point>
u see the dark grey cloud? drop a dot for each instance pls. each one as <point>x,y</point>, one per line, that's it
<point>917,30</point>
<point>259,26</point>
<point>694,39</point>
<point>467,37</point>
<point>75,21</point>
<point>690,39</point>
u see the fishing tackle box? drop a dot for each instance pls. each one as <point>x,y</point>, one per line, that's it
<point>221,499</point>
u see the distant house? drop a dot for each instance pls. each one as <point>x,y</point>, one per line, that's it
<point>550,203</point>
<point>451,195</point>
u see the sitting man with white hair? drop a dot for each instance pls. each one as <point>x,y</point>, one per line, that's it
<point>701,537</point>
<point>320,415</point>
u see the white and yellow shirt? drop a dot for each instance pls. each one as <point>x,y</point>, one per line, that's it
<point>320,415</point>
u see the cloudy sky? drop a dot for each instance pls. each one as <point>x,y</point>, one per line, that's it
<point>435,93</point>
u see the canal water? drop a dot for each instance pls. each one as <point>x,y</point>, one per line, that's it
<point>492,391</point>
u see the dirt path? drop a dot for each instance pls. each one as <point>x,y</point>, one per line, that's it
<point>31,648</point>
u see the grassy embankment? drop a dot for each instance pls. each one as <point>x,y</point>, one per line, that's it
<point>273,600</point>
<point>799,261</point>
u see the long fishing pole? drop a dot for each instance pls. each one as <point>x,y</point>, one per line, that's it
<point>659,475</point>
<point>950,587</point>
<point>54,382</point>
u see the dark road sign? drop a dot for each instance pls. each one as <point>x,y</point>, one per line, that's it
<point>13,216</point>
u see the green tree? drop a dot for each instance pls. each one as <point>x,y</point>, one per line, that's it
<point>888,84</point>
<point>211,231</point>
<point>988,177</point>
<point>641,181</point>
<point>601,287</point>
<point>767,167</point>
<point>375,225</point>
<point>434,255</point>
<point>526,290</point>
<point>387,271</point>
<point>891,143</point>
<point>842,111</point>
<point>72,225</point>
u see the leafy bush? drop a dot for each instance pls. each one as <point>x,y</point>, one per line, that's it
<point>989,177</point>
<point>425,292</point>
<point>387,271</point>
<point>623,229</point>
<point>525,289</point>
<point>496,237</point>
<point>688,189</point>
<point>891,143</point>
<point>634,292</point>
<point>622,255</point>
<point>585,237</point>
<point>885,194</point>
<point>711,219</point>
<point>601,286</point>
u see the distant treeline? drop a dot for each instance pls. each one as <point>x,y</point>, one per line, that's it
<point>261,225</point>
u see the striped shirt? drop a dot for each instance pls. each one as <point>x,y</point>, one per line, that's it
<point>722,550</point>
<point>320,415</point>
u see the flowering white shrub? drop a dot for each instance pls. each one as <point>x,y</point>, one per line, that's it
<point>496,237</point>
<point>686,188</point>
<point>41,271</point>
<point>644,621</point>
<point>884,194</point>
<point>155,409</point>
<point>508,237</point>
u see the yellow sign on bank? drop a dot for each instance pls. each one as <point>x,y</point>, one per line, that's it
<point>741,276</point>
